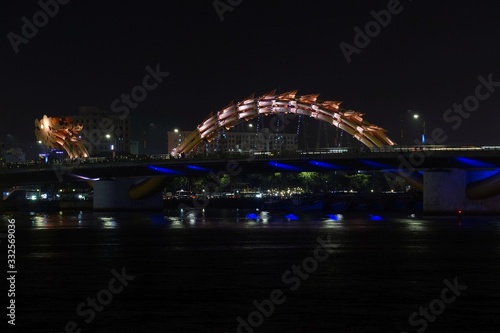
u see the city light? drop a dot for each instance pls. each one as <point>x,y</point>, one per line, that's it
<point>414,116</point>
<point>291,217</point>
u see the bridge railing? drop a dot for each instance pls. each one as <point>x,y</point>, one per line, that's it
<point>98,161</point>
<point>409,149</point>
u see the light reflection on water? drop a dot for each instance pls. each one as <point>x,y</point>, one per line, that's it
<point>199,218</point>
<point>108,222</point>
<point>55,220</point>
<point>229,218</point>
<point>182,218</point>
<point>389,267</point>
<point>416,225</point>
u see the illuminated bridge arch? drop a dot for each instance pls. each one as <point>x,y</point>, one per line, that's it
<point>349,121</point>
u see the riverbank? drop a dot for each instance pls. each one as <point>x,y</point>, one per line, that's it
<point>336,202</point>
<point>44,205</point>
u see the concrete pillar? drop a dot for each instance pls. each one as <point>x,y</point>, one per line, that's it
<point>112,194</point>
<point>444,194</point>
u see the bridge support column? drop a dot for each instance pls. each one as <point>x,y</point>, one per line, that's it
<point>112,194</point>
<point>445,194</point>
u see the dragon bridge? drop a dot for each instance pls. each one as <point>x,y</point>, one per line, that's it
<point>331,112</point>
<point>61,133</point>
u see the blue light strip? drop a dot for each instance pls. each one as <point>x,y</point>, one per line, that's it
<point>164,170</point>
<point>326,165</point>
<point>475,163</point>
<point>377,164</point>
<point>198,168</point>
<point>284,166</point>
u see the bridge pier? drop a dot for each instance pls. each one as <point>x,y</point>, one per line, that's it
<point>112,195</point>
<point>445,193</point>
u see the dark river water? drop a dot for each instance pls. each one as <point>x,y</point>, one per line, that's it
<point>248,271</point>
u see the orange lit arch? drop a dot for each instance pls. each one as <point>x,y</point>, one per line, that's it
<point>349,121</point>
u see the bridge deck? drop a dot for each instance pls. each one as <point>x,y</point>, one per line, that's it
<point>391,159</point>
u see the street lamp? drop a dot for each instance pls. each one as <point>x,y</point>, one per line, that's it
<point>415,116</point>
<point>112,145</point>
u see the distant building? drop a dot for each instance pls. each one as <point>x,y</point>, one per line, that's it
<point>104,132</point>
<point>227,141</point>
<point>134,147</point>
<point>13,155</point>
<point>263,141</point>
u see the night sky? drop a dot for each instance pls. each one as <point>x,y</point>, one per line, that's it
<point>428,57</point>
